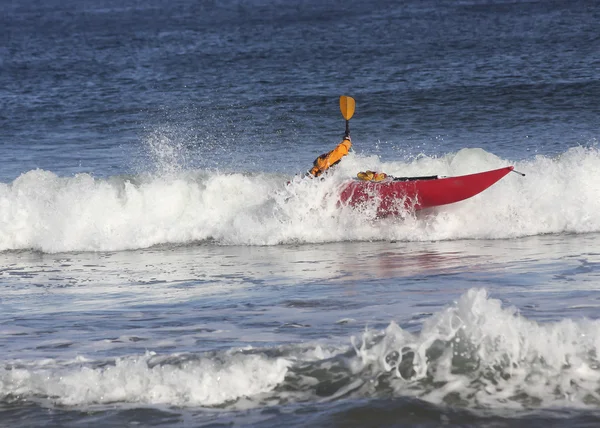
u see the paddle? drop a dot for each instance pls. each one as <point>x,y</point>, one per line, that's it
<point>347,105</point>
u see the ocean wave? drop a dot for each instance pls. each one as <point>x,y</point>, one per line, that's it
<point>148,379</point>
<point>475,354</point>
<point>42,211</point>
<point>479,354</point>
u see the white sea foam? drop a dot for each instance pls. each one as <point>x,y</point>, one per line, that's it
<point>475,353</point>
<point>480,354</point>
<point>146,379</point>
<point>42,211</point>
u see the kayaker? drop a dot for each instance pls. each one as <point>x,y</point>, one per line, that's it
<point>327,160</point>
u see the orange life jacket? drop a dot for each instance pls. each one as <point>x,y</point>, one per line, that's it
<point>327,160</point>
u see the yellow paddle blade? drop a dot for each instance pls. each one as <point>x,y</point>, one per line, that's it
<point>347,105</point>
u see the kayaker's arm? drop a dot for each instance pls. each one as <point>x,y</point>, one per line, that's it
<point>327,160</point>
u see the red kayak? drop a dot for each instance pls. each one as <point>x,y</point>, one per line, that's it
<point>394,195</point>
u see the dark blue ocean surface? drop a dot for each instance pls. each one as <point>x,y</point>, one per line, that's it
<point>157,270</point>
<point>85,82</point>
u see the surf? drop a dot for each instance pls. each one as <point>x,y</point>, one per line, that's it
<point>43,211</point>
<point>475,353</point>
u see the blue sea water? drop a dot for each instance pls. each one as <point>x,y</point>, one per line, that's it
<point>164,263</point>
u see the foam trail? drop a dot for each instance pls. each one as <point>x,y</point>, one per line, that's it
<point>42,211</point>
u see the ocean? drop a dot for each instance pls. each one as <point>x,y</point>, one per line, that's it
<point>164,262</point>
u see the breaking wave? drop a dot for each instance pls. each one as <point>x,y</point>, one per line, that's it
<point>42,211</point>
<point>474,354</point>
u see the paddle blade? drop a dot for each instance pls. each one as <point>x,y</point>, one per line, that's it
<point>347,105</point>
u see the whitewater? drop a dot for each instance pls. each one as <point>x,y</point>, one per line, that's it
<point>474,353</point>
<point>43,211</point>
<point>196,297</point>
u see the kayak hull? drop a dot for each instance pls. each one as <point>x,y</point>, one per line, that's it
<point>395,196</point>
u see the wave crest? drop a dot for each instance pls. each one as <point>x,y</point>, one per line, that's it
<point>42,211</point>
